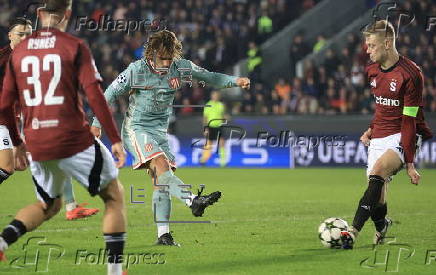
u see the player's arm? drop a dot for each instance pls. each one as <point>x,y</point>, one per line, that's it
<point>120,86</point>
<point>218,80</point>
<point>412,103</point>
<point>89,80</point>
<point>8,99</point>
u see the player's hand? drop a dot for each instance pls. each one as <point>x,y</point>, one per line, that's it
<point>413,174</point>
<point>96,131</point>
<point>21,161</point>
<point>243,82</point>
<point>366,137</point>
<point>119,153</point>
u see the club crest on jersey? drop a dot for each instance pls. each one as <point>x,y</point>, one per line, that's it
<point>393,85</point>
<point>148,147</point>
<point>174,83</point>
<point>373,83</point>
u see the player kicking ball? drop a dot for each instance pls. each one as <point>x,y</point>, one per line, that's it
<point>396,131</point>
<point>44,74</point>
<point>19,29</point>
<point>151,84</point>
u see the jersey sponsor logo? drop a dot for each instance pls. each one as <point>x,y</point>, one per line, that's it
<point>174,83</point>
<point>373,83</point>
<point>387,101</point>
<point>38,124</point>
<point>393,85</point>
<point>148,147</point>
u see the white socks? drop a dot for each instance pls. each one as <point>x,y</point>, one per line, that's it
<point>70,206</point>
<point>3,244</point>
<point>162,229</point>
<point>189,201</point>
<point>114,269</point>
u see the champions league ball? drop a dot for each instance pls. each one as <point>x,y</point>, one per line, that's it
<point>329,232</point>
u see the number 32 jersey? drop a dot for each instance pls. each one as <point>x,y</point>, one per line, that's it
<point>45,73</point>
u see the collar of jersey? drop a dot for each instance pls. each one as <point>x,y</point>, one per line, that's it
<point>391,67</point>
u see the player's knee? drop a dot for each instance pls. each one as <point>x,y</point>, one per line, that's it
<point>113,193</point>
<point>160,165</point>
<point>52,208</point>
<point>379,169</point>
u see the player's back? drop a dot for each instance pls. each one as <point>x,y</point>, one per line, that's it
<point>48,68</point>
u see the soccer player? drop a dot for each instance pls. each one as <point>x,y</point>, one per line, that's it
<point>19,29</point>
<point>213,118</point>
<point>397,129</point>
<point>151,84</point>
<point>45,73</point>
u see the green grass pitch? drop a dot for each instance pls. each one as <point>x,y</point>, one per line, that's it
<point>265,223</point>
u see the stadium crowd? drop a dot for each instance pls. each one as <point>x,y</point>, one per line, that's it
<point>217,33</point>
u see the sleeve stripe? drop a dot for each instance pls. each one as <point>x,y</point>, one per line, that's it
<point>410,111</point>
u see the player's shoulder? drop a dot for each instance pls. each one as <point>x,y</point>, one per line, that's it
<point>182,63</point>
<point>409,68</point>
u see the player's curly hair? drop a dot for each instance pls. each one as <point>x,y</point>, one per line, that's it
<point>164,43</point>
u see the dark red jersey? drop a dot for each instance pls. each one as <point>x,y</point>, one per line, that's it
<point>4,58</point>
<point>45,73</point>
<point>396,91</point>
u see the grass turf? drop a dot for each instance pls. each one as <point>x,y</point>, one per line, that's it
<point>266,222</point>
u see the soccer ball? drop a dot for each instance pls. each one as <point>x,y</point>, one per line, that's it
<point>329,232</point>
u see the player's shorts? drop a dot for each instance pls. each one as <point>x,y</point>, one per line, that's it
<point>93,168</point>
<point>145,146</point>
<point>5,139</point>
<point>378,146</point>
<point>215,133</point>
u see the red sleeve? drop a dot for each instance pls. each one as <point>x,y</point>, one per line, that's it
<point>89,79</point>
<point>412,98</point>
<point>8,99</point>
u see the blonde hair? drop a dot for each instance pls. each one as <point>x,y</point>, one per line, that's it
<point>163,42</point>
<point>379,28</point>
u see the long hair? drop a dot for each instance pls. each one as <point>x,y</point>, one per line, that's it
<point>164,43</point>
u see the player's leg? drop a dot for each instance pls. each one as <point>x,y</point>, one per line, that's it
<point>211,138</point>
<point>94,168</point>
<point>385,166</point>
<point>74,210</point>
<point>6,155</point>
<point>114,225</point>
<point>222,151</point>
<point>48,180</point>
<point>378,216</point>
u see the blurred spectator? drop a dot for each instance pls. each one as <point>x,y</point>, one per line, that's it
<point>320,43</point>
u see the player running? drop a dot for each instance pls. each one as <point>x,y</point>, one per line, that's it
<point>151,84</point>
<point>19,29</point>
<point>44,74</point>
<point>397,129</point>
<point>213,119</point>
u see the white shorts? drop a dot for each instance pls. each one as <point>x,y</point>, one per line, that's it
<point>378,146</point>
<point>93,168</point>
<point>5,139</point>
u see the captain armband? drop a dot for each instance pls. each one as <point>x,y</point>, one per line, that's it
<point>410,111</point>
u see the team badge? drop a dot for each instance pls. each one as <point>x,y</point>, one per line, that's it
<point>174,83</point>
<point>148,147</point>
<point>373,83</point>
<point>393,85</point>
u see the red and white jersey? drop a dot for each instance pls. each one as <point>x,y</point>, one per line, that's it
<point>45,73</point>
<point>5,53</point>
<point>399,86</point>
